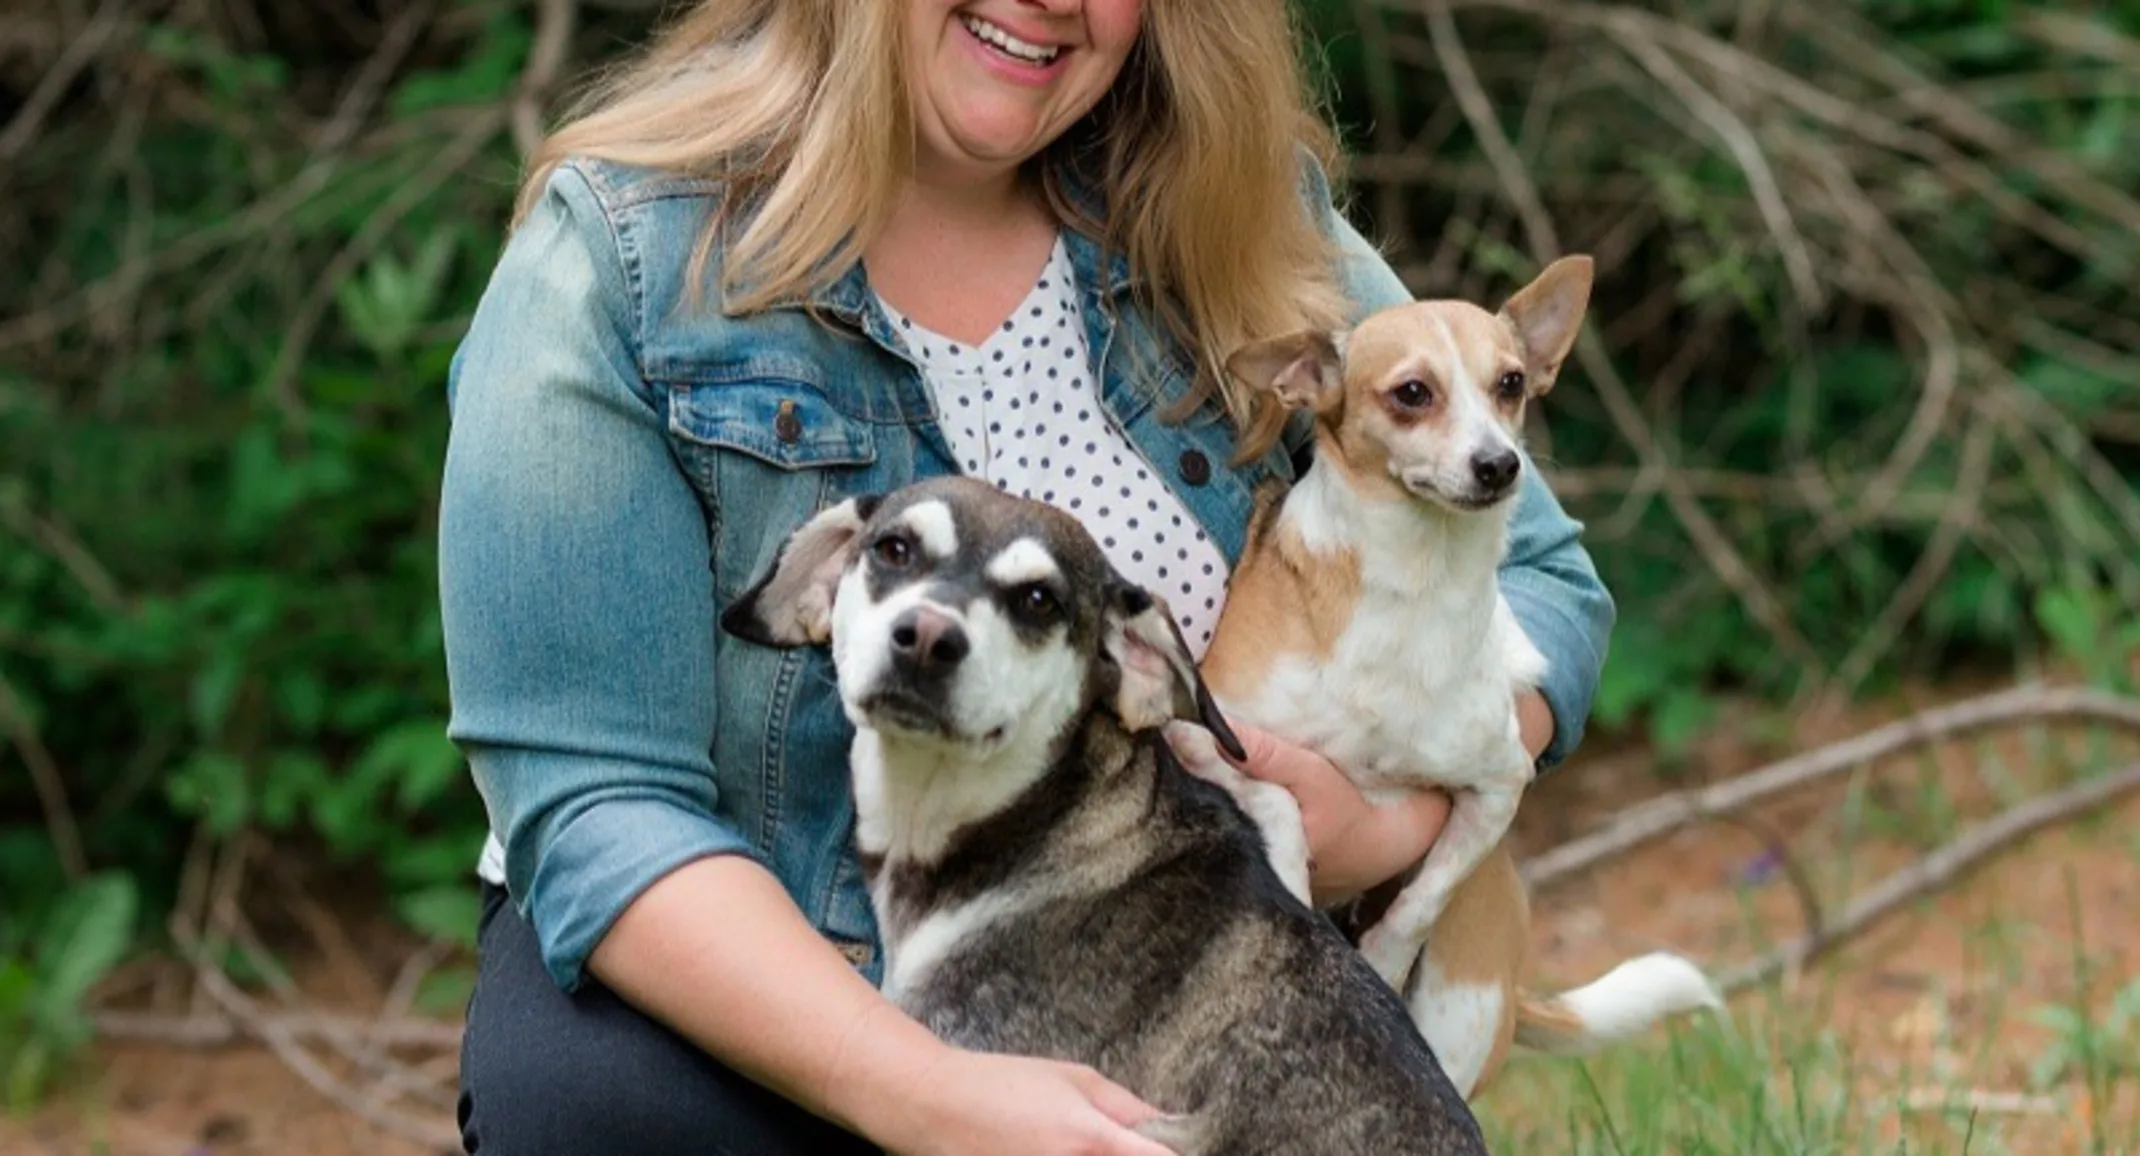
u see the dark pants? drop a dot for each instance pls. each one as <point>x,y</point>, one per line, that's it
<point>544,1073</point>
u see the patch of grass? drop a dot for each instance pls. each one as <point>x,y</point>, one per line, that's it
<point>1783,1076</point>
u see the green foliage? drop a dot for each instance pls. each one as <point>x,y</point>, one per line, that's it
<point>45,975</point>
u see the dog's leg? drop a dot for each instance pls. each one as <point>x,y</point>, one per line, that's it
<point>1476,823</point>
<point>1271,807</point>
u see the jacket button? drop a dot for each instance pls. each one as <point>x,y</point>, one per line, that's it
<point>786,424</point>
<point>1195,467</point>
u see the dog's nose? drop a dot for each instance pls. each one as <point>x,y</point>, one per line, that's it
<point>928,640</point>
<point>1495,469</point>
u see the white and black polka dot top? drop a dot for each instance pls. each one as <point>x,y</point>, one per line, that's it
<point>1021,410</point>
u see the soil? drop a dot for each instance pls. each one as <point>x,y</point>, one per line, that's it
<point>1942,991</point>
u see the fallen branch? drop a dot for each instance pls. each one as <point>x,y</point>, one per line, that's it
<point>1665,814</point>
<point>1936,871</point>
<point>308,1068</point>
<point>210,1031</point>
<point>45,776</point>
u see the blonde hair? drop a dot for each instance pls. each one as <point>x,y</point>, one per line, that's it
<point>800,107</point>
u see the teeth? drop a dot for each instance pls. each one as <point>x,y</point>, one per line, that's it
<point>1011,45</point>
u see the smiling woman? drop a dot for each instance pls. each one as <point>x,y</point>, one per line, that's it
<point>804,250</point>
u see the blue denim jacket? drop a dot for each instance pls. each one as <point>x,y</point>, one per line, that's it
<point>622,464</point>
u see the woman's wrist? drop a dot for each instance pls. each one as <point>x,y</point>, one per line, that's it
<point>879,1085</point>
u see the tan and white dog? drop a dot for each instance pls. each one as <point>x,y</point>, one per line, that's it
<point>1365,621</point>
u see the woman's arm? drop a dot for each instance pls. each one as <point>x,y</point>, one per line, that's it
<point>579,624</point>
<point>761,989</point>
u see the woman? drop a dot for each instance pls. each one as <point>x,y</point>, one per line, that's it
<point>810,248</point>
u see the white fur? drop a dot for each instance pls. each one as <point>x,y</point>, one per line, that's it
<point>1461,1020</point>
<point>1021,562</point>
<point>933,524</point>
<point>911,958</point>
<point>1627,1000</point>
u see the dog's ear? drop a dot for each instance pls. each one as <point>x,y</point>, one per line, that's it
<point>1547,316</point>
<point>791,603</point>
<point>1160,682</point>
<point>1304,369</point>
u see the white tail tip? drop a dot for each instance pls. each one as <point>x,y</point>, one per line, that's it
<point>1621,1003</point>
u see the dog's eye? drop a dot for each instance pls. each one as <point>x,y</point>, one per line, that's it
<point>1511,385</point>
<point>1035,603</point>
<point>1413,394</point>
<point>893,551</point>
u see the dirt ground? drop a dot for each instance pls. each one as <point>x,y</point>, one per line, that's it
<point>1946,986</point>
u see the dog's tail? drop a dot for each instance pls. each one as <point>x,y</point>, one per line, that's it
<point>1616,1005</point>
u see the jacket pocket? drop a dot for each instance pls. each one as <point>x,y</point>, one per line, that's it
<point>786,422</point>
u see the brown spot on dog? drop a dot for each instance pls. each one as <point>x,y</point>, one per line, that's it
<point>1282,600</point>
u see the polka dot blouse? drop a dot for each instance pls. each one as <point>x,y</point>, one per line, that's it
<point>1022,411</point>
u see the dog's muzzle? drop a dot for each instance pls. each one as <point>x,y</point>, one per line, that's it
<point>926,646</point>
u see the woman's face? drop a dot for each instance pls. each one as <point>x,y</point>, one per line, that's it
<point>996,81</point>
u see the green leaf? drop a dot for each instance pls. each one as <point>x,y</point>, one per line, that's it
<point>447,912</point>
<point>1679,717</point>
<point>213,786</point>
<point>215,688</point>
<point>445,992</point>
<point>87,937</point>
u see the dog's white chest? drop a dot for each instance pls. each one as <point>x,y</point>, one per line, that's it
<point>1418,691</point>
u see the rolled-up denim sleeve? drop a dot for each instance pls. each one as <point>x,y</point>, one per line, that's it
<point>1548,577</point>
<point>574,588</point>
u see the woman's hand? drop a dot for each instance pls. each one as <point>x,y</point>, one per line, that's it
<point>979,1104</point>
<point>1352,844</point>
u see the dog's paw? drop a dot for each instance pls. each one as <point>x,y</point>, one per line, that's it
<point>1391,955</point>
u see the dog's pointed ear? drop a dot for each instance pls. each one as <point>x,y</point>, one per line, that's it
<point>1305,369</point>
<point>1159,682</point>
<point>1547,316</point>
<point>791,603</point>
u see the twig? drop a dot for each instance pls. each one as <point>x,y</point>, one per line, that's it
<point>553,42</point>
<point>1980,1100</point>
<point>286,1047</point>
<point>1661,816</point>
<point>1936,871</point>
<point>22,127</point>
<point>1931,566</point>
<point>277,1033</point>
<point>281,378</point>
<point>212,1030</point>
<point>45,777</point>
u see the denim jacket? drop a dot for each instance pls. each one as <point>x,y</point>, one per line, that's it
<point>623,463</point>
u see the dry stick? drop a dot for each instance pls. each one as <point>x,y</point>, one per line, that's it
<point>1886,627</point>
<point>212,1030</point>
<point>1619,402</point>
<point>225,918</point>
<point>45,777</point>
<point>1667,813</point>
<point>269,1031</point>
<point>1936,871</point>
<point>369,236</point>
<point>1381,77</point>
<point>553,40</point>
<point>1739,141</point>
<point>22,127</point>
